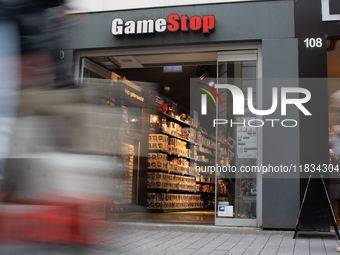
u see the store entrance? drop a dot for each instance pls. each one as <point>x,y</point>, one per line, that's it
<point>179,144</point>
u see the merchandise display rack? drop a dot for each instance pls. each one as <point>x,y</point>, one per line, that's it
<point>155,190</point>
<point>198,149</point>
<point>206,153</point>
<point>178,137</point>
<point>208,147</point>
<point>169,172</point>
<point>206,201</point>
<point>178,120</point>
<point>198,182</point>
<point>173,154</point>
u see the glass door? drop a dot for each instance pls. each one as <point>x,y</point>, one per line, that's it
<point>236,142</point>
<point>125,118</point>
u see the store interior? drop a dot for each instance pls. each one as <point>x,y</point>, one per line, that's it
<point>175,191</point>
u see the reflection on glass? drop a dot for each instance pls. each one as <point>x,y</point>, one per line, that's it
<point>236,145</point>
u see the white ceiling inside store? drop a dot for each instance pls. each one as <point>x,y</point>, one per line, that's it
<point>156,60</point>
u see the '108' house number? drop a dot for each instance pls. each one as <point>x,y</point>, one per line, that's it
<point>313,42</point>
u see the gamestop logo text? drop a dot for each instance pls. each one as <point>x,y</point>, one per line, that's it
<point>174,23</point>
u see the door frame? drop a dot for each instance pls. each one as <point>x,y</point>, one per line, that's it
<point>93,67</point>
<point>246,55</point>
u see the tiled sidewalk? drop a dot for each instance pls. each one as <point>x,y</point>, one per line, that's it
<point>148,239</point>
<point>166,239</point>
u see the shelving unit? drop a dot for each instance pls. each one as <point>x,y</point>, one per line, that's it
<point>155,190</point>
<point>205,153</point>
<point>198,182</point>
<point>180,138</point>
<point>169,172</point>
<point>155,204</point>
<point>202,153</point>
<point>172,154</point>
<point>178,120</point>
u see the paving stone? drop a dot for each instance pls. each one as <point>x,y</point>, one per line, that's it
<point>272,245</point>
<point>185,252</point>
<point>140,238</point>
<point>317,247</point>
<point>287,246</point>
<point>330,245</point>
<point>251,252</point>
<point>218,252</point>
<point>230,243</point>
<point>301,246</point>
<point>197,241</point>
<point>223,237</point>
<point>243,244</point>
<point>141,245</point>
<point>234,253</point>
<point>158,249</point>
<point>200,253</point>
<point>206,250</point>
<point>213,244</point>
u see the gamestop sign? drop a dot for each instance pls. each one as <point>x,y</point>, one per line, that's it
<point>174,23</point>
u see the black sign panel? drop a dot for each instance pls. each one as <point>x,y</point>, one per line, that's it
<point>315,21</point>
<point>334,6</point>
<point>312,18</point>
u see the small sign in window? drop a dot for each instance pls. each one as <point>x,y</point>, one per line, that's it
<point>168,69</point>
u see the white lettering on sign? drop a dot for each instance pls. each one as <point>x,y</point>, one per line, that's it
<point>159,100</point>
<point>130,27</point>
<point>145,26</point>
<point>117,28</point>
<point>313,42</point>
<point>160,25</point>
<point>134,95</point>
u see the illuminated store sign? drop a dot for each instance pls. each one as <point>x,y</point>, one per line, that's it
<point>174,23</point>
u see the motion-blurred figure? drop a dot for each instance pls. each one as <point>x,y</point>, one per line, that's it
<point>52,183</point>
<point>10,82</point>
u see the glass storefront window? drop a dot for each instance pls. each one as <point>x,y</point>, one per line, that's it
<point>89,74</point>
<point>236,145</point>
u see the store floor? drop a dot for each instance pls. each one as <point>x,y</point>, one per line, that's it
<point>196,217</point>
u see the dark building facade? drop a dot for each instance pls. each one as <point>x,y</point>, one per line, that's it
<point>286,39</point>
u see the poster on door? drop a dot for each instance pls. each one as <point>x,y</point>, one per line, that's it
<point>225,211</point>
<point>246,142</point>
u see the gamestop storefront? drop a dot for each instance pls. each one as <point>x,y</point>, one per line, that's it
<point>238,67</point>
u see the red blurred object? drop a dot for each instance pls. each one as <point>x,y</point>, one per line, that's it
<point>60,220</point>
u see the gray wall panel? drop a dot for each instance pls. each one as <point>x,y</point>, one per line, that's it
<point>281,199</point>
<point>234,22</point>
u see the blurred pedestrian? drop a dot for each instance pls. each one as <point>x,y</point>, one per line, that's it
<point>30,43</point>
<point>10,79</point>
